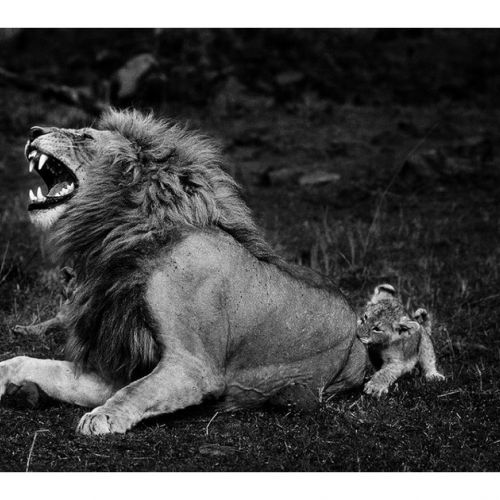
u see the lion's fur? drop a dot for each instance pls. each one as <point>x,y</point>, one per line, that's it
<point>177,297</point>
<point>151,179</point>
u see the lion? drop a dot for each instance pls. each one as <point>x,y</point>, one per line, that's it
<point>396,341</point>
<point>178,298</point>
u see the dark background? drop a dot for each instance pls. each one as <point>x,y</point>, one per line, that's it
<point>369,154</point>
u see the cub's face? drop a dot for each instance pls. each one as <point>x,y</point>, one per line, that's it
<point>385,321</point>
<point>61,158</point>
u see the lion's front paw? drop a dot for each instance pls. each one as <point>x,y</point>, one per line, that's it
<point>375,390</point>
<point>98,422</point>
<point>435,377</point>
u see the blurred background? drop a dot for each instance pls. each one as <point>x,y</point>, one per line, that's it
<point>281,66</point>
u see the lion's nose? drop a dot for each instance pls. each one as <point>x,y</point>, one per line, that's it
<point>37,132</point>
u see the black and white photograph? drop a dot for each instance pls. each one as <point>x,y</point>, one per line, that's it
<point>249,249</point>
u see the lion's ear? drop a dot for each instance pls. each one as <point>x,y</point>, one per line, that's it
<point>383,292</point>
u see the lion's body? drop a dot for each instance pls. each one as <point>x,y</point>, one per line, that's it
<point>260,329</point>
<point>178,298</point>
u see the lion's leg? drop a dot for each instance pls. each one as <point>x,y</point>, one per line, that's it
<point>427,359</point>
<point>58,379</point>
<point>174,384</point>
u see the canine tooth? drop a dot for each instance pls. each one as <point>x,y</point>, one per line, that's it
<point>32,165</point>
<point>32,196</point>
<point>39,195</point>
<point>42,160</point>
<point>71,187</point>
<point>32,155</point>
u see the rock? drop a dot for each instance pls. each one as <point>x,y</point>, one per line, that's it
<point>129,76</point>
<point>7,34</point>
<point>281,176</point>
<point>296,176</point>
<point>319,177</point>
<point>289,78</point>
<point>423,166</point>
<point>434,165</point>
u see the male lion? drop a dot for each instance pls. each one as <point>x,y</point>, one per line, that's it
<point>177,297</point>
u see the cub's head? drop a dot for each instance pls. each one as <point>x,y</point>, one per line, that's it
<point>385,320</point>
<point>61,158</point>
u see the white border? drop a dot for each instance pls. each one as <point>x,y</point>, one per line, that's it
<point>253,13</point>
<point>251,486</point>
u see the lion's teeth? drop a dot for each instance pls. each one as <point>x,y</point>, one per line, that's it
<point>32,165</point>
<point>32,196</point>
<point>71,187</point>
<point>42,160</point>
<point>32,155</point>
<point>39,195</point>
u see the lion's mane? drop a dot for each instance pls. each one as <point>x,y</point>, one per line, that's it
<point>151,180</point>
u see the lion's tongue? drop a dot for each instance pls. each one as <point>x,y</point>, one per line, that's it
<point>54,191</point>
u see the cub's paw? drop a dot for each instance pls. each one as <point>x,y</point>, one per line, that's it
<point>38,329</point>
<point>24,329</point>
<point>99,422</point>
<point>435,377</point>
<point>375,390</point>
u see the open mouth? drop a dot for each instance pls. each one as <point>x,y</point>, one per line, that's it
<point>61,182</point>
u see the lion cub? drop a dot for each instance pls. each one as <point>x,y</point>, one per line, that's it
<point>67,278</point>
<point>396,342</point>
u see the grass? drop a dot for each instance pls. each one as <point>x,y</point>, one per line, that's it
<point>436,241</point>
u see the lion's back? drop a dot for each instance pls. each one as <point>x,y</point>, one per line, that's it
<point>263,328</point>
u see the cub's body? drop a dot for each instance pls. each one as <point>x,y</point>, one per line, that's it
<point>396,342</point>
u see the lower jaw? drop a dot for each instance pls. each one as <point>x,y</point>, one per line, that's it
<point>46,217</point>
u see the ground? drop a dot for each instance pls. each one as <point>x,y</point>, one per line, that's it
<point>415,204</point>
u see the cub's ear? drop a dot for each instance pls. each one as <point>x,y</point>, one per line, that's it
<point>382,292</point>
<point>422,316</point>
<point>407,327</point>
